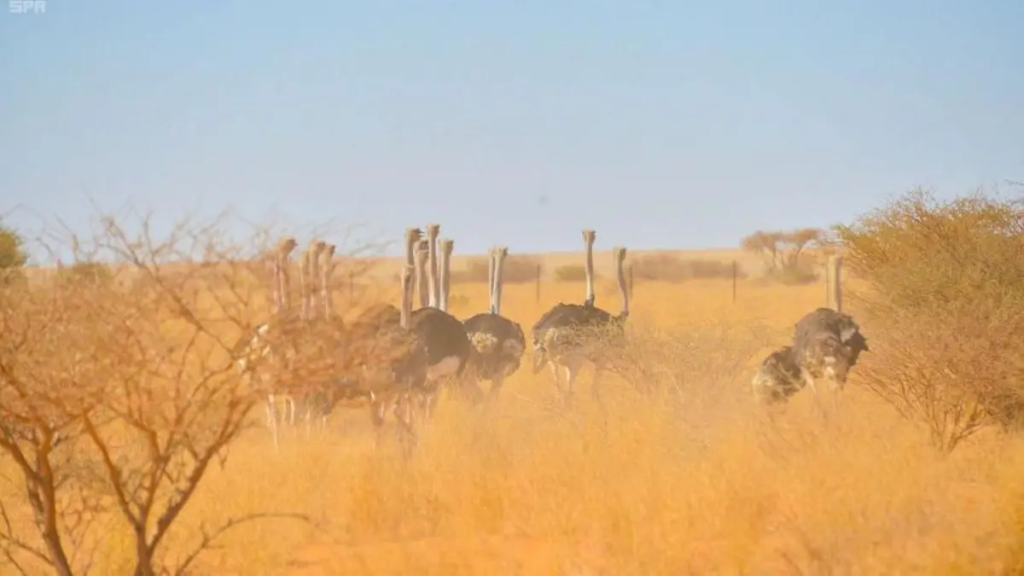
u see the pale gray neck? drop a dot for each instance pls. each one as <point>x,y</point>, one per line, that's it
<point>407,287</point>
<point>620,276</point>
<point>433,280</point>
<point>589,269</point>
<point>422,281</point>
<point>499,268</point>
<point>445,261</point>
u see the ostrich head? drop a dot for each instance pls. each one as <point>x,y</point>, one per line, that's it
<point>851,338</point>
<point>286,246</point>
<point>412,236</point>
<point>540,355</point>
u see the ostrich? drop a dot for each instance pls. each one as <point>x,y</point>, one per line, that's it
<point>394,362</point>
<point>299,347</point>
<point>498,341</point>
<point>826,345</point>
<point>255,347</point>
<point>449,350</point>
<point>778,378</point>
<point>380,358</point>
<point>447,345</point>
<point>564,338</point>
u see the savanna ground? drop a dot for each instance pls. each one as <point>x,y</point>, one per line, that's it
<point>692,478</point>
<point>700,486</point>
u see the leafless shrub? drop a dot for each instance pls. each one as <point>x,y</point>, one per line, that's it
<point>118,401</point>
<point>681,362</point>
<point>945,287</point>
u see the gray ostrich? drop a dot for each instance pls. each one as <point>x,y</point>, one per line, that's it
<point>499,342</point>
<point>826,345</point>
<point>571,335</point>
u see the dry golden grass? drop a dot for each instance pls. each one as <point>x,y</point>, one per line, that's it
<point>700,485</point>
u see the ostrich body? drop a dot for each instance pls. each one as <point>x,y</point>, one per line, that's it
<point>442,335</point>
<point>826,345</point>
<point>303,370</point>
<point>449,350</point>
<point>498,342</point>
<point>394,370</point>
<point>571,335</point>
<point>778,378</point>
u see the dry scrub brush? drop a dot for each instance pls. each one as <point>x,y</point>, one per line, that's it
<point>668,484</point>
<point>116,400</point>
<point>945,294</point>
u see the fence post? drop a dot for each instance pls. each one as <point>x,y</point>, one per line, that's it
<point>735,273</point>
<point>835,276</point>
<point>537,295</point>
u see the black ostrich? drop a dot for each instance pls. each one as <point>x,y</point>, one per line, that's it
<point>449,351</point>
<point>826,346</point>
<point>499,342</point>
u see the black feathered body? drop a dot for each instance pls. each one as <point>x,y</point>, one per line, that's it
<point>498,344</point>
<point>827,344</point>
<point>447,345</point>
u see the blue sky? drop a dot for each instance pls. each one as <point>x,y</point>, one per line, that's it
<point>508,122</point>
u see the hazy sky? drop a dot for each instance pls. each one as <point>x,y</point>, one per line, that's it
<point>509,122</point>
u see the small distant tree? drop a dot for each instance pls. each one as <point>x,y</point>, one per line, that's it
<point>785,252</point>
<point>12,253</point>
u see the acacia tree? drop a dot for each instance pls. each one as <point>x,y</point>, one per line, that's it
<point>783,252</point>
<point>116,398</point>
